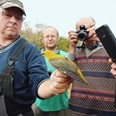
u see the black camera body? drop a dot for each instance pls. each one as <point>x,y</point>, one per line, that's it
<point>108,40</point>
<point>82,33</point>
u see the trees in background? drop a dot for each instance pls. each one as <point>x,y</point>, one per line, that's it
<point>34,36</point>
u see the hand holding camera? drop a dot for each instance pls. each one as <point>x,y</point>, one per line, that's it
<point>86,33</point>
<point>72,37</point>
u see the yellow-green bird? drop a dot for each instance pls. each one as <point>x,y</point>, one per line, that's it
<point>65,65</point>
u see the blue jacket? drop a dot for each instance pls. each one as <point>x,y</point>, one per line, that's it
<point>29,71</point>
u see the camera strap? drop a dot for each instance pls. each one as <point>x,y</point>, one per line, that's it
<point>89,47</point>
<point>6,78</point>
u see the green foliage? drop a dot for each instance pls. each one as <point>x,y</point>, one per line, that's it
<point>63,44</point>
<point>34,36</point>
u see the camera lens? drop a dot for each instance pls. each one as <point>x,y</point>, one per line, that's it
<point>82,33</point>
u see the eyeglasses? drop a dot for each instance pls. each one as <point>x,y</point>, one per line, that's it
<point>50,36</point>
<point>13,1</point>
<point>9,15</point>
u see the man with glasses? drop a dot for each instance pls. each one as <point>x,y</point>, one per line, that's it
<point>30,76</point>
<point>58,105</point>
<point>89,54</point>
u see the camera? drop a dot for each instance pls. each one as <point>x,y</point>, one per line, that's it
<point>82,33</point>
<point>108,40</point>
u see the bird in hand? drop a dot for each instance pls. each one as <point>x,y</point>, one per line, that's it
<point>65,65</point>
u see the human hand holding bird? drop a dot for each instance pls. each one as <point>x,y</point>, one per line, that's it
<point>65,65</point>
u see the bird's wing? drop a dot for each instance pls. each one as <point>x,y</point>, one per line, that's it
<point>68,67</point>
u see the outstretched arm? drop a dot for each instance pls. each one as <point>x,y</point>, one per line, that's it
<point>57,84</point>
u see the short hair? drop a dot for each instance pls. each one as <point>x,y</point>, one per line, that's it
<point>52,28</point>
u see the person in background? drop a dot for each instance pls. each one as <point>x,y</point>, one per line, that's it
<point>88,52</point>
<point>31,79</point>
<point>57,105</point>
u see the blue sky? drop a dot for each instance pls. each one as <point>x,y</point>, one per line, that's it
<point>63,14</point>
